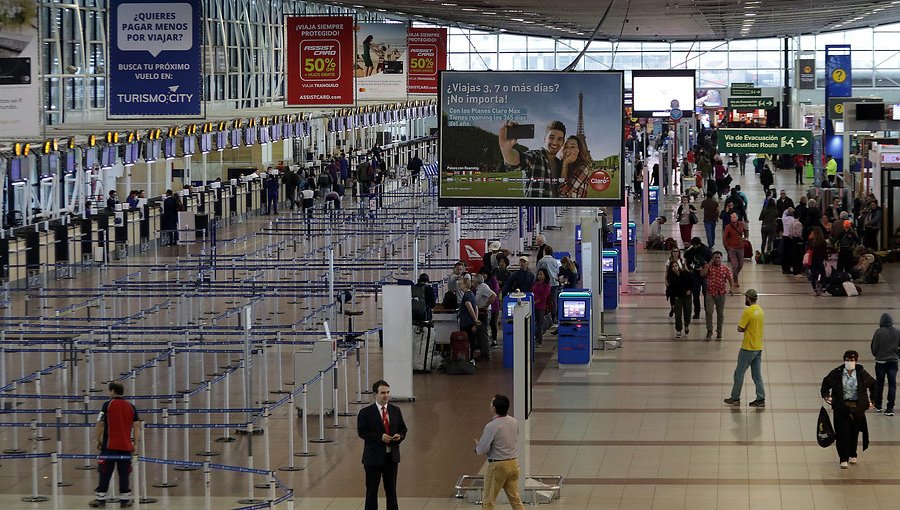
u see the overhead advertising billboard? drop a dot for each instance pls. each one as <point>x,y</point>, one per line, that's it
<point>427,58</point>
<point>319,60</point>
<point>381,61</point>
<point>19,64</point>
<point>530,138</point>
<point>658,93</point>
<point>155,59</point>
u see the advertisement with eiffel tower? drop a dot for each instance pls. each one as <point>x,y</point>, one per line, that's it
<point>531,138</point>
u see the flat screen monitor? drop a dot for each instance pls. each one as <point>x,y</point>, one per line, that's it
<point>236,138</point>
<point>189,144</point>
<point>657,93</point>
<point>869,111</point>
<point>287,131</point>
<point>509,308</point>
<point>129,157</point>
<point>49,164</point>
<point>608,264</point>
<point>264,135</point>
<point>70,162</point>
<point>90,157</point>
<point>574,309</point>
<point>250,136</point>
<point>136,151</point>
<point>652,194</point>
<point>108,156</point>
<point>15,170</point>
<point>618,234</point>
<point>169,149</point>
<point>206,142</point>
<point>276,132</point>
<point>221,140</point>
<point>151,150</point>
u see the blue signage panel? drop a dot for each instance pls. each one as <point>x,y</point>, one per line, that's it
<point>155,59</point>
<point>838,83</point>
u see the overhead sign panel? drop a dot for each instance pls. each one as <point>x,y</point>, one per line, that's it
<point>427,57</point>
<point>381,53</point>
<point>767,141</point>
<point>742,103</point>
<point>745,91</point>
<point>155,59</point>
<point>19,87</point>
<point>531,138</point>
<point>319,60</point>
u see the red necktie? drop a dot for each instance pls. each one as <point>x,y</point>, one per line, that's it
<point>384,418</point>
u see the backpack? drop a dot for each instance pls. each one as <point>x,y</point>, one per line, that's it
<point>419,307</point>
<point>450,301</point>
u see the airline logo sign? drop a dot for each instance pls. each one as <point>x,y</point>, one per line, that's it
<point>471,251</point>
<point>155,52</point>
<point>767,141</point>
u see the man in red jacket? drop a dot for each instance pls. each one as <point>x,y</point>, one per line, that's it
<point>117,422</point>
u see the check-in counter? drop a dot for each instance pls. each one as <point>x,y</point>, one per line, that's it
<point>151,223</point>
<point>12,258</point>
<point>68,243</point>
<point>254,195</point>
<point>95,235</point>
<point>40,253</point>
<point>239,204</point>
<point>224,203</point>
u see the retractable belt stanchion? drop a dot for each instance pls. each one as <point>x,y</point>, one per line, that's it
<point>86,400</point>
<point>290,416</point>
<point>142,496</point>
<point>304,410</point>
<point>226,434</point>
<point>266,454</point>
<point>187,436</point>
<point>15,450</point>
<point>54,480</point>
<point>35,451</point>
<point>346,386</point>
<point>334,379</point>
<point>208,432</point>
<point>56,465</point>
<point>321,438</point>
<point>207,486</point>
<point>165,484</point>
<point>250,499</point>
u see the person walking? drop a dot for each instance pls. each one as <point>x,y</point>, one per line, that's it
<point>697,256</point>
<point>118,435</point>
<point>718,284</point>
<point>678,288</point>
<point>734,244</point>
<point>500,442</point>
<point>885,345</point>
<point>382,429</point>
<point>751,325</point>
<point>769,225</point>
<point>710,208</point>
<point>845,389</point>
<point>819,248</point>
<point>686,215</point>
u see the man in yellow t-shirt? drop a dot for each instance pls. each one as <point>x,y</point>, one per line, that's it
<point>831,169</point>
<point>750,355</point>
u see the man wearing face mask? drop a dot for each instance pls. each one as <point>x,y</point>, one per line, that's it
<point>850,390</point>
<point>750,355</point>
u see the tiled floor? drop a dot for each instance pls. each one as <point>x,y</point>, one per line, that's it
<point>644,427</point>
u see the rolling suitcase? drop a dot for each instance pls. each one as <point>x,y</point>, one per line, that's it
<point>423,349</point>
<point>748,249</point>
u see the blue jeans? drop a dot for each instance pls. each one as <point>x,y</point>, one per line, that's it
<point>887,369</point>
<point>710,233</point>
<point>752,359</point>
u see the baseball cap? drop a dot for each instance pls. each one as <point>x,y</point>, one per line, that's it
<point>494,246</point>
<point>523,257</point>
<point>751,293</point>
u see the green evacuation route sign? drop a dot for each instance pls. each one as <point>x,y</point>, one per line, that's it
<point>766,141</point>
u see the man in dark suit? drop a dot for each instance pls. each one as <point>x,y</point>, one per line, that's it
<point>382,428</point>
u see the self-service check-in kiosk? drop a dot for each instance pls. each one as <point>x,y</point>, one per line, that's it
<point>574,333</point>
<point>632,242</point>
<point>609,263</point>
<point>508,304</point>
<point>652,204</point>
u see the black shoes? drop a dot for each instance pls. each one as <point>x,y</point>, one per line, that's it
<point>733,401</point>
<point>758,403</point>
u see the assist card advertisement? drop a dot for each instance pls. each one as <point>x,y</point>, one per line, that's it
<point>155,59</point>
<point>427,58</point>
<point>531,138</point>
<point>319,60</point>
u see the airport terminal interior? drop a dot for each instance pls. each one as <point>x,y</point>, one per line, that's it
<point>247,328</point>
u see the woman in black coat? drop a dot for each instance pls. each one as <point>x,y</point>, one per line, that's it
<point>849,406</point>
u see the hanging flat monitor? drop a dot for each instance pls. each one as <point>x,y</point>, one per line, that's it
<point>657,93</point>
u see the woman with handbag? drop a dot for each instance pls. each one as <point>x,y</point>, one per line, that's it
<point>687,218</point>
<point>850,391</point>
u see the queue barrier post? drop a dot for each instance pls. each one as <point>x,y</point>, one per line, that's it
<point>266,456</point>
<point>142,496</point>
<point>35,450</point>
<point>187,436</point>
<point>304,410</point>
<point>291,411</point>
<point>321,438</point>
<point>86,402</point>
<point>208,452</point>
<point>58,475</point>
<point>165,484</point>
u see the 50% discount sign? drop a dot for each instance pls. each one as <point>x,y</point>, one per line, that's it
<point>320,61</point>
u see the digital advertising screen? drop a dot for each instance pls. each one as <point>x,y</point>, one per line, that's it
<point>657,93</point>
<point>531,138</point>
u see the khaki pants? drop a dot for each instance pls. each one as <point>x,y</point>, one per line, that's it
<point>504,475</point>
